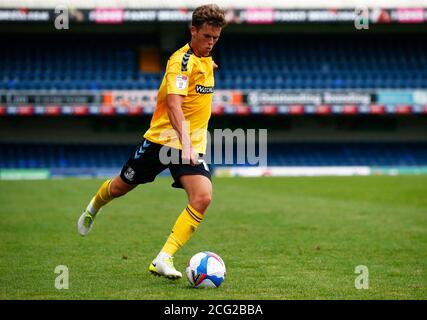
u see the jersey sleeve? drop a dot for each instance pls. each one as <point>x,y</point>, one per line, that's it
<point>178,74</point>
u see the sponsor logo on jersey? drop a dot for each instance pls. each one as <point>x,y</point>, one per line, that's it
<point>203,89</point>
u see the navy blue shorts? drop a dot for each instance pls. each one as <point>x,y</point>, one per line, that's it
<point>144,165</point>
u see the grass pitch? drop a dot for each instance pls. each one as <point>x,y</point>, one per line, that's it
<point>281,238</point>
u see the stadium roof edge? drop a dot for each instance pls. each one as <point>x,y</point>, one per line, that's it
<point>240,4</point>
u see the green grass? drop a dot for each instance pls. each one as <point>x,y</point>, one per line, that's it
<point>281,238</point>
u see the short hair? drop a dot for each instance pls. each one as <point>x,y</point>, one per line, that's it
<point>210,14</point>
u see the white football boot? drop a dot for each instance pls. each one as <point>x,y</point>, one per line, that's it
<point>86,220</point>
<point>163,266</point>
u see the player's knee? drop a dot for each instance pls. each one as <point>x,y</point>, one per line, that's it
<point>115,191</point>
<point>118,190</point>
<point>201,201</point>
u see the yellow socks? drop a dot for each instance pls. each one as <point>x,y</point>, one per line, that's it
<point>101,198</point>
<point>185,225</point>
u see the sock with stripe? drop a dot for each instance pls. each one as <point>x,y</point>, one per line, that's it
<point>101,198</point>
<point>185,225</point>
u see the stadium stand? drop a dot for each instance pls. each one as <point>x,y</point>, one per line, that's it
<point>311,62</point>
<point>84,67</point>
<point>279,154</point>
<point>302,62</point>
<point>383,72</point>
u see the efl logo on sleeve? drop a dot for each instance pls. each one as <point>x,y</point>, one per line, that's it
<point>181,81</point>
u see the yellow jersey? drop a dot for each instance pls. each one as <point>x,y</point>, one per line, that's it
<point>192,77</point>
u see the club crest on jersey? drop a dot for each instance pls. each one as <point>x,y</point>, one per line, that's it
<point>129,174</point>
<point>181,81</point>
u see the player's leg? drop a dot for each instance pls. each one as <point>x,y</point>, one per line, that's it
<point>142,167</point>
<point>199,192</point>
<point>110,189</point>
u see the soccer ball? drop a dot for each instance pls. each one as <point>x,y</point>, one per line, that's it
<point>205,270</point>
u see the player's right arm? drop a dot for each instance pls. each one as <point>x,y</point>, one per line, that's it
<point>181,126</point>
<point>178,74</point>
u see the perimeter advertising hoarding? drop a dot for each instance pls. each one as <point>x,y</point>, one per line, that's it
<point>234,16</point>
<point>237,102</point>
